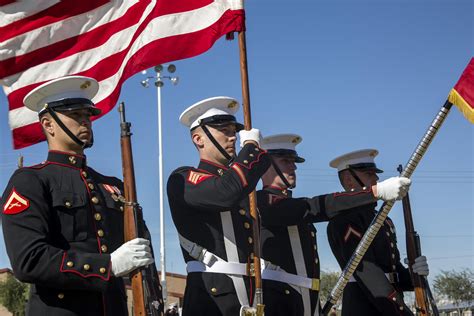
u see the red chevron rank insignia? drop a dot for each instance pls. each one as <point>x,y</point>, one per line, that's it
<point>272,198</point>
<point>15,204</point>
<point>351,231</point>
<point>197,177</point>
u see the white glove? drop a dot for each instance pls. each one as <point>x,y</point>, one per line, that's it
<point>252,135</point>
<point>420,266</point>
<point>131,255</point>
<point>394,188</point>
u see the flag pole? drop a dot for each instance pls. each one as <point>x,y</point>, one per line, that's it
<point>255,270</point>
<point>378,220</point>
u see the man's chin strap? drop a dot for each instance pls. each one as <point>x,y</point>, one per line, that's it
<point>356,177</point>
<point>218,146</point>
<point>68,132</point>
<point>280,174</point>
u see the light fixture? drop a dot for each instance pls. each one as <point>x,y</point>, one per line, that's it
<point>171,68</point>
<point>174,80</point>
<point>159,83</point>
<point>145,83</point>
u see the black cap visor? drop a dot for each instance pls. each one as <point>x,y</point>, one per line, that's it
<point>365,165</point>
<point>286,153</point>
<point>72,104</point>
<point>220,120</point>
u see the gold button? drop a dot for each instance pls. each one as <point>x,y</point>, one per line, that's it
<point>401,308</point>
<point>70,264</point>
<point>287,292</point>
<point>394,298</point>
<point>72,160</point>
<point>97,216</point>
<point>61,296</point>
<point>246,161</point>
<point>246,225</point>
<point>394,267</point>
<point>251,155</point>
<point>312,234</point>
<point>213,290</point>
<point>103,270</point>
<point>388,234</point>
<point>68,204</point>
<point>252,256</point>
<point>84,174</point>
<point>316,260</point>
<point>87,267</point>
<point>103,248</point>
<point>256,149</point>
<point>242,212</point>
<point>95,200</point>
<point>315,247</point>
<point>250,240</point>
<point>392,245</point>
<point>393,255</point>
<point>91,186</point>
<point>100,233</point>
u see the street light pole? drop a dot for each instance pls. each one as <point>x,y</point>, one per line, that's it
<point>162,212</point>
<point>159,84</point>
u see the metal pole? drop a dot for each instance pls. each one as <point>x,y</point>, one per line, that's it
<point>162,211</point>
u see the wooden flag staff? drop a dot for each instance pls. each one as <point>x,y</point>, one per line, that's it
<point>255,266</point>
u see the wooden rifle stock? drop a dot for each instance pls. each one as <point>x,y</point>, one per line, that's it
<point>421,288</point>
<point>146,290</point>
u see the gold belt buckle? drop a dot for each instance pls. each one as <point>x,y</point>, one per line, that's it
<point>315,284</point>
<point>251,269</point>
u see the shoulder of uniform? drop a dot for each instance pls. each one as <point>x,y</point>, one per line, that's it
<point>38,166</point>
<point>184,170</point>
<point>25,178</point>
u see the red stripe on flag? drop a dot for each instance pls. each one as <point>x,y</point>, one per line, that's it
<point>55,13</point>
<point>465,85</point>
<point>73,45</point>
<point>170,7</point>
<point>190,44</point>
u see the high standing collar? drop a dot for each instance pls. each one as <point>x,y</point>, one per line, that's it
<point>211,167</point>
<point>278,191</point>
<point>76,161</point>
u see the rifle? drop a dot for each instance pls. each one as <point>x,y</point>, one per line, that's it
<point>146,289</point>
<point>424,300</point>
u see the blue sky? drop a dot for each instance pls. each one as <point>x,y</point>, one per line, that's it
<point>345,75</point>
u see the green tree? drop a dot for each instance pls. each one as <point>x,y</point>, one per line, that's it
<point>328,281</point>
<point>13,295</point>
<point>457,286</point>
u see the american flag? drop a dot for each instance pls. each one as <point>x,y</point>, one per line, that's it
<point>107,40</point>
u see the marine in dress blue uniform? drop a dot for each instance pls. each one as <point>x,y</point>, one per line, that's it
<point>210,209</point>
<point>377,285</point>
<point>62,220</point>
<point>289,245</point>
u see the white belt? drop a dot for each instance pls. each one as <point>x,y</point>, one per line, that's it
<point>293,279</point>
<point>391,276</point>
<point>218,267</point>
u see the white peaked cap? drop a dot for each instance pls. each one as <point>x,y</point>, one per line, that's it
<point>59,89</point>
<point>281,141</point>
<point>283,144</point>
<point>192,116</point>
<point>363,156</point>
